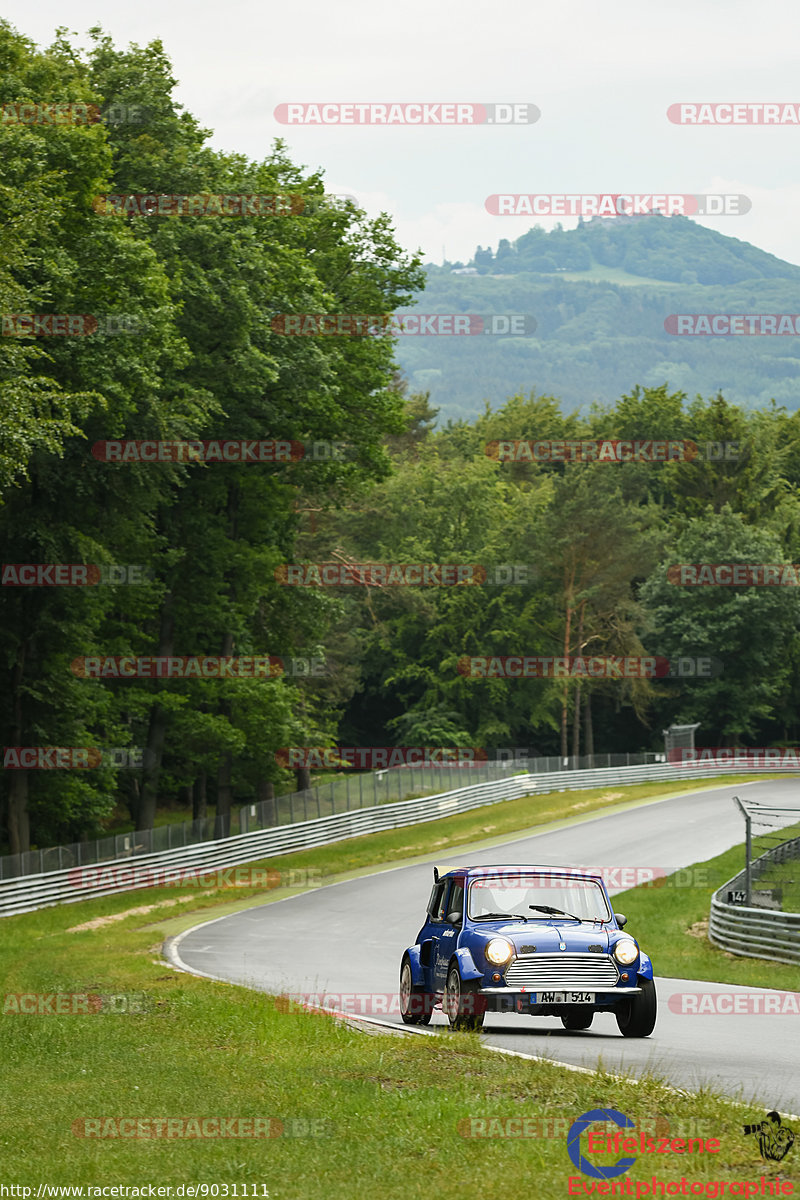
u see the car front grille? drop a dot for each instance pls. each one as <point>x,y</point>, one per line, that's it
<point>558,972</point>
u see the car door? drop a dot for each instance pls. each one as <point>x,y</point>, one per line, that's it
<point>431,930</point>
<point>449,927</point>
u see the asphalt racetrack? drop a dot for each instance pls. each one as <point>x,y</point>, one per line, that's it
<point>347,940</point>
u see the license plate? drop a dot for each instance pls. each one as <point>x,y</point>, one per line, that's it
<point>563,998</point>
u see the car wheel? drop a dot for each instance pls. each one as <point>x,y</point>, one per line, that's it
<point>462,1002</point>
<point>636,1016</point>
<point>578,1017</point>
<point>416,1005</point>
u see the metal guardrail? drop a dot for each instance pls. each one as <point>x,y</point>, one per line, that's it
<point>752,931</point>
<point>343,794</point>
<point>148,870</point>
<point>358,790</point>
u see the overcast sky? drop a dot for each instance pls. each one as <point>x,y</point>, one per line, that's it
<point>602,76</point>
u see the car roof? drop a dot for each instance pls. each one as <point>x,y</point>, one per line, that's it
<point>527,868</point>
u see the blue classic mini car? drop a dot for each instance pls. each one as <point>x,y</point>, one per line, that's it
<point>530,939</point>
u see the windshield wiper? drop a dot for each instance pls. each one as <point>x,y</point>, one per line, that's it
<point>555,912</point>
<point>500,917</point>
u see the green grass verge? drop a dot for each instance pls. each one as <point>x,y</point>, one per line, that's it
<point>358,1111</point>
<point>782,879</point>
<point>671,921</point>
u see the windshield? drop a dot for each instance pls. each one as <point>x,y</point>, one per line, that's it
<point>512,894</point>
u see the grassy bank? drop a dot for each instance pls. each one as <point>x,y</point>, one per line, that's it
<point>351,1111</point>
<point>672,923</point>
<point>780,878</point>
<point>357,1112</point>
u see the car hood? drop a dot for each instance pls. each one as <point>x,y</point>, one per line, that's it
<point>549,936</point>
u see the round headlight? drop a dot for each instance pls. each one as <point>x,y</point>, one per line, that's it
<point>498,951</point>
<point>626,951</point>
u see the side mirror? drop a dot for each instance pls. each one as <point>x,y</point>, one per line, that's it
<point>621,920</point>
<point>454,917</point>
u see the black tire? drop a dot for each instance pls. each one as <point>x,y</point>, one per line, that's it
<point>416,1005</point>
<point>579,1017</point>
<point>463,1003</point>
<point>636,1016</point>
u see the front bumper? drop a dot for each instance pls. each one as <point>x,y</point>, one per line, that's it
<point>511,991</point>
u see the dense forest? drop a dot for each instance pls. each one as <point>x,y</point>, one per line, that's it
<point>600,295</point>
<point>575,556</point>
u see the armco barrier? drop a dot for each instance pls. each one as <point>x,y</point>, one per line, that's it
<point>755,932</point>
<point>55,887</point>
<point>59,887</point>
<point>343,793</point>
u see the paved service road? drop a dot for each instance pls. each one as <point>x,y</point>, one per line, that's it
<point>347,940</point>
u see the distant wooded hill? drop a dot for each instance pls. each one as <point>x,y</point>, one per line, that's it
<point>600,294</point>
